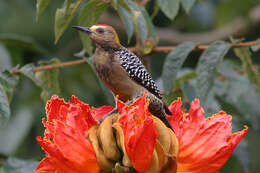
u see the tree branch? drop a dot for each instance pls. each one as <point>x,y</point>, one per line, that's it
<point>165,49</point>
<point>48,67</point>
<point>161,49</point>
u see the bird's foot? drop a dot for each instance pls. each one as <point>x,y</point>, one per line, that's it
<point>128,102</point>
<point>107,115</point>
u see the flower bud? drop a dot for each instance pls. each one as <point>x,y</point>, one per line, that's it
<point>108,141</point>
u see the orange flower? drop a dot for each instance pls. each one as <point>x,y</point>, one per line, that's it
<point>205,144</point>
<point>139,131</point>
<point>64,141</point>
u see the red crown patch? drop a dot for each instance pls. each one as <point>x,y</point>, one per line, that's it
<point>102,25</point>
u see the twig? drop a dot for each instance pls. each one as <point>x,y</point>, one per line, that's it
<point>61,65</point>
<point>48,67</point>
<point>165,49</point>
<point>161,49</point>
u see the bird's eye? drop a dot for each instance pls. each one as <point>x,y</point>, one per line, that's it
<point>100,30</point>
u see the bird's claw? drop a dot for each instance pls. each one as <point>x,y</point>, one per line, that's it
<point>99,121</point>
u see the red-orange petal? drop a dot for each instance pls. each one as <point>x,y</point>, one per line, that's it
<point>139,131</point>
<point>84,115</point>
<point>55,157</point>
<point>64,142</point>
<point>99,112</point>
<point>53,108</point>
<point>205,144</point>
<point>143,142</point>
<point>76,149</point>
<point>177,116</point>
<point>121,106</point>
<point>46,166</point>
<point>70,150</point>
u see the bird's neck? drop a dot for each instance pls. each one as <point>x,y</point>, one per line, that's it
<point>108,47</point>
<point>103,55</point>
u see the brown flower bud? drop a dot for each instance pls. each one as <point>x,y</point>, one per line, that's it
<point>108,141</point>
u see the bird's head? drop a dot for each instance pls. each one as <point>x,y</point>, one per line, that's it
<point>101,34</point>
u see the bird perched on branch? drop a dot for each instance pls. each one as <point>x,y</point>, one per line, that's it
<point>122,71</point>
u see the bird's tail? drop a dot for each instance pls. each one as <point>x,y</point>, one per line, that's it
<point>166,109</point>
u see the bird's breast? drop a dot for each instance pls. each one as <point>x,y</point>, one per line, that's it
<point>116,78</point>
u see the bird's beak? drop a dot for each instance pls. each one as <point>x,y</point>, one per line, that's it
<point>84,29</point>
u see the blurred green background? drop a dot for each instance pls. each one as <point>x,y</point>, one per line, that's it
<point>23,41</point>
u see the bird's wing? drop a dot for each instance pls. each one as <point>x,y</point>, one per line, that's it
<point>136,70</point>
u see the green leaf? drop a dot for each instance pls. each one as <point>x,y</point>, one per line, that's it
<point>89,16</point>
<point>8,83</point>
<point>141,26</point>
<point>188,91</point>
<point>64,16</point>
<point>237,84</point>
<point>248,104</point>
<point>127,20</point>
<point>13,134</point>
<point>139,21</point>
<point>173,63</point>
<point>245,57</point>
<point>5,58</point>
<point>27,71</point>
<point>149,24</point>
<point>207,68</point>
<point>22,42</point>
<point>213,106</point>
<point>184,75</point>
<point>187,4</point>
<point>115,3</point>
<point>228,105</point>
<point>125,5</point>
<point>156,10</point>
<point>50,79</point>
<point>241,97</point>
<point>41,6</point>
<point>4,107</point>
<point>169,7</point>
<point>47,80</point>
<point>15,165</point>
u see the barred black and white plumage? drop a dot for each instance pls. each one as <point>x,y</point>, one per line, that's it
<point>136,70</point>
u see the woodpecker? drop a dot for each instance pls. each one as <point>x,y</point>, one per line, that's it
<point>122,71</point>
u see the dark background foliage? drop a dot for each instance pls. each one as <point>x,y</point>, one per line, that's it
<point>223,77</point>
